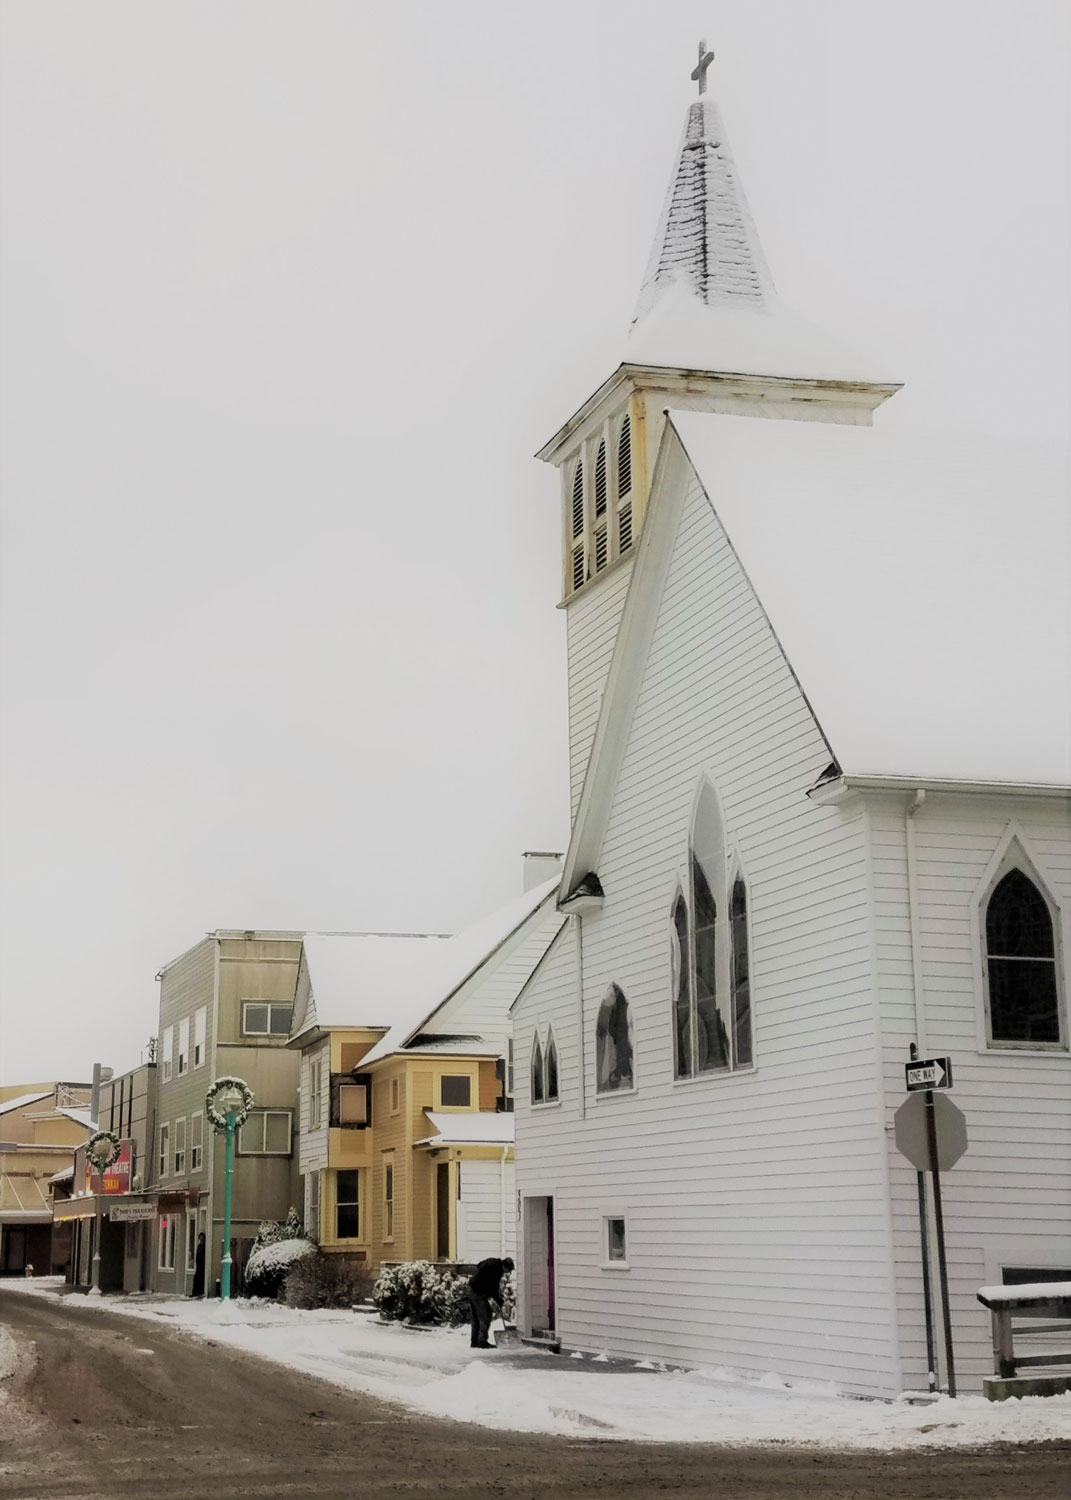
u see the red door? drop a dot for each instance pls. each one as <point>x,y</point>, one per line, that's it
<point>550,1265</point>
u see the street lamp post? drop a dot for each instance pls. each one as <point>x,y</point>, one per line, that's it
<point>102,1150</point>
<point>227,1104</point>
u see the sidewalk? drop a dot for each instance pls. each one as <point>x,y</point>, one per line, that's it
<point>529,1390</point>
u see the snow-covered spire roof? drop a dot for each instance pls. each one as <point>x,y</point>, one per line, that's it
<point>706,240</point>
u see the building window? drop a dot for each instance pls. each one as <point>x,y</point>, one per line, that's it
<point>1021,969</point>
<point>316,1092</point>
<point>613,1043</point>
<point>550,1068</point>
<point>197,1141</point>
<point>167,1052</point>
<point>388,1199</point>
<point>538,1085</point>
<point>455,1091</point>
<point>615,1249</point>
<point>191,1242</point>
<point>509,1068</point>
<point>180,1146</point>
<point>164,1162</point>
<point>709,959</point>
<point>347,1205</point>
<point>266,1018</point>
<point>353,1104</point>
<point>184,1046</point>
<point>265,1133</point>
<point>168,1236</point>
<point>395,1095</point>
<point>200,1027</point>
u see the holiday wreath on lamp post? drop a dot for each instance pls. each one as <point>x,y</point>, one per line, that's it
<point>103,1149</point>
<point>228,1099</point>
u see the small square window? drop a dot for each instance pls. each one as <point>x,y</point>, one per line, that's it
<point>455,1091</point>
<point>353,1104</point>
<point>614,1247</point>
<point>266,1018</point>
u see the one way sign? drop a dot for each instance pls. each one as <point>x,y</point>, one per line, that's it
<point>929,1073</point>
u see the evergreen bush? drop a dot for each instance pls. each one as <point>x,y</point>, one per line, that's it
<point>421,1292</point>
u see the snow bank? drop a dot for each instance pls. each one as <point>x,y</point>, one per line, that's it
<point>529,1390</point>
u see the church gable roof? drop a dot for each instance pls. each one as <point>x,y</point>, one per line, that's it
<point>917,585</point>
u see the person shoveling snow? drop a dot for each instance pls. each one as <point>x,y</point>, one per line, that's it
<point>485,1287</point>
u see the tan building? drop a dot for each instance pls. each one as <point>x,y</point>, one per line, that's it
<point>225,1010</point>
<point>40,1128</point>
<point>406,1124</point>
<point>128,1109</point>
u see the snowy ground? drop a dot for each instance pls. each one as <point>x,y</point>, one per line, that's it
<point>532,1391</point>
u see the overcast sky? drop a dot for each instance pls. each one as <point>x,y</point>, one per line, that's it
<point>290,295</point>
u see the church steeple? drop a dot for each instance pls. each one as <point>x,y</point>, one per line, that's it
<point>706,241</point>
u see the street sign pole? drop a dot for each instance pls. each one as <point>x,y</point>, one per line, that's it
<point>939,1225</point>
<point>927,1285</point>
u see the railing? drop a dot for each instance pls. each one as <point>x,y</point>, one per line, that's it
<point>1032,1300</point>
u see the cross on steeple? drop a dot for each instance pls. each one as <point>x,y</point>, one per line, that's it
<point>699,73</point>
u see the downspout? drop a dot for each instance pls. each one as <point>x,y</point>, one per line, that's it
<point>914,922</point>
<point>581,1047</point>
<point>502,1201</point>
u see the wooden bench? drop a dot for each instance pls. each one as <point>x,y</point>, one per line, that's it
<point>1031,1300</point>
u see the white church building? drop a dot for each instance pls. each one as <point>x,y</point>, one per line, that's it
<point>820,747</point>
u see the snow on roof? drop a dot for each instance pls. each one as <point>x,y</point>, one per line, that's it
<point>397,983</point>
<point>707,300</point>
<point>23,1099</point>
<point>64,1176</point>
<point>483,1128</point>
<point>919,583</point>
<point>79,1116</point>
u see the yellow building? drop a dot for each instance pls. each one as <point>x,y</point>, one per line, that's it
<point>405,1118</point>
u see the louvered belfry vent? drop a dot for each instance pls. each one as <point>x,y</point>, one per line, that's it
<point>600,481</point>
<point>578,566</point>
<point>600,550</point>
<point>624,459</point>
<point>578,499</point>
<point>624,528</point>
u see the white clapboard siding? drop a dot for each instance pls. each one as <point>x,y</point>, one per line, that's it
<point>312,1143</point>
<point>758,1227</point>
<point>480,1007</point>
<point>487,1217</point>
<point>1008,1201</point>
<point>591,629</point>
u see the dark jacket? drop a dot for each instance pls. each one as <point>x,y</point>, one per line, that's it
<point>486,1280</point>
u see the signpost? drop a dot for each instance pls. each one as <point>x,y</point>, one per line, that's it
<point>932,1133</point>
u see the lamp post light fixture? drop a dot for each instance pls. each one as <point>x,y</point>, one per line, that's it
<point>102,1151</point>
<point>227,1105</point>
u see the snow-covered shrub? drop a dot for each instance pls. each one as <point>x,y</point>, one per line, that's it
<point>271,1232</point>
<point>421,1292</point>
<point>267,1267</point>
<point>325,1281</point>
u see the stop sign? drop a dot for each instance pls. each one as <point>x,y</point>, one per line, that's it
<point>911,1139</point>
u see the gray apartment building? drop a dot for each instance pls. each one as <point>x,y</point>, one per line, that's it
<point>225,1009</point>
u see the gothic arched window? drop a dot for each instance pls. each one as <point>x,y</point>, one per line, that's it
<point>710,964</point>
<point>681,975</point>
<point>538,1085</point>
<point>613,1043</point>
<point>550,1065</point>
<point>741,976</point>
<point>1020,952</point>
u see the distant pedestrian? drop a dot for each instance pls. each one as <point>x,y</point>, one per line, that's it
<point>485,1287</point>
<point>198,1289</point>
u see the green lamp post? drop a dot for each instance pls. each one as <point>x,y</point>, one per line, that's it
<point>227,1104</point>
<point>102,1151</point>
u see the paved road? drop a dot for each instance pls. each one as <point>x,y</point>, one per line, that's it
<point>111,1409</point>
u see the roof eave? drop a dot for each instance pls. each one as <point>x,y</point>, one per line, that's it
<point>839,788</point>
